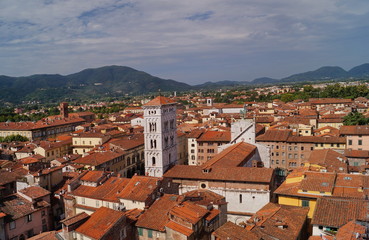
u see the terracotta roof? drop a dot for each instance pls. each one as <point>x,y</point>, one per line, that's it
<point>101,222</point>
<point>98,158</point>
<point>94,176</point>
<point>27,126</point>
<point>160,100</point>
<point>353,230</point>
<point>356,153</point>
<point>133,214</point>
<point>215,136</point>
<point>189,212</point>
<point>127,144</point>
<point>234,156</point>
<point>239,174</point>
<point>45,236</point>
<point>35,192</point>
<point>16,206</point>
<point>274,136</point>
<point>139,188</point>
<point>204,197</point>
<point>335,212</point>
<point>332,160</point>
<point>75,219</point>
<point>179,228</point>
<point>7,177</point>
<point>275,221</point>
<point>355,130</point>
<point>339,184</point>
<point>231,231</point>
<point>156,217</point>
<point>329,101</point>
<point>107,191</point>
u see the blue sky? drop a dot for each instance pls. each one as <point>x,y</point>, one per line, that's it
<point>189,41</point>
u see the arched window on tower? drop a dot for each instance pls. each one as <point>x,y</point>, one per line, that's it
<point>155,144</point>
<point>153,161</point>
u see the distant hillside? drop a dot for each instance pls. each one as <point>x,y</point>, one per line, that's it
<point>115,81</point>
<point>321,74</point>
<point>104,81</point>
<point>360,71</point>
<point>264,80</point>
<point>217,85</point>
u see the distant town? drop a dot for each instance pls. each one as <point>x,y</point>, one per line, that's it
<point>287,162</point>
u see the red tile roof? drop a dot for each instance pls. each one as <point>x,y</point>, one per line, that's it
<point>160,100</point>
<point>353,230</point>
<point>139,188</point>
<point>98,158</point>
<point>215,136</point>
<point>179,228</point>
<point>94,176</point>
<point>354,130</point>
<point>335,212</point>
<point>156,217</point>
<point>234,156</point>
<point>74,219</point>
<point>101,222</point>
<point>332,160</point>
<point>232,231</point>
<point>204,197</point>
<point>239,174</point>
<point>107,191</point>
<point>274,136</point>
<point>189,212</point>
<point>277,221</point>
<point>35,192</point>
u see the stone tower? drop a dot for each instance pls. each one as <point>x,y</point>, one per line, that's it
<point>63,107</point>
<point>160,135</point>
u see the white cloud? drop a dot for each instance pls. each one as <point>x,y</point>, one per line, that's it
<point>71,34</point>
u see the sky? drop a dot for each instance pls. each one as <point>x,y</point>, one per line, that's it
<point>189,41</point>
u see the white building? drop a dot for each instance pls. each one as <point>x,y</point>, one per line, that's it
<point>160,135</point>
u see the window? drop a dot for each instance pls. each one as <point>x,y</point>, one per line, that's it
<point>350,142</point>
<point>29,218</point>
<point>305,203</point>
<point>97,203</point>
<point>149,233</point>
<point>12,225</point>
<point>83,201</point>
<point>43,213</point>
<point>360,142</point>
<point>240,198</point>
<point>302,148</point>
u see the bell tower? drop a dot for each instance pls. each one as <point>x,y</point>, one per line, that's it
<point>160,133</point>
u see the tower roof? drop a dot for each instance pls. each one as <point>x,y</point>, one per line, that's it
<point>159,100</point>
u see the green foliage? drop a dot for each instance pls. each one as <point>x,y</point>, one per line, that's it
<point>14,138</point>
<point>355,118</point>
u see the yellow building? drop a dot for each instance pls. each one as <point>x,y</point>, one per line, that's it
<point>85,142</point>
<point>303,188</point>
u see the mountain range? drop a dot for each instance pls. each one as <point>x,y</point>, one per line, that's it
<point>113,81</point>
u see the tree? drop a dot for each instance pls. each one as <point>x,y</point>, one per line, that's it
<point>355,118</point>
<point>14,138</point>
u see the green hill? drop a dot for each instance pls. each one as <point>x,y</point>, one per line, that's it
<point>109,81</point>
